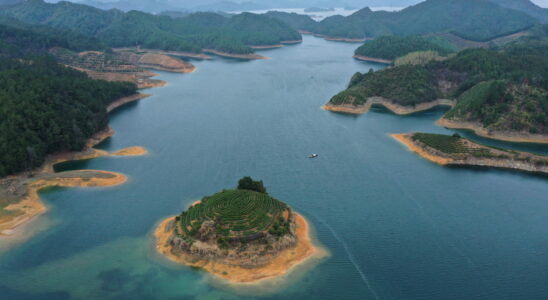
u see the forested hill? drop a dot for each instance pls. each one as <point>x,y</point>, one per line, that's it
<point>527,7</point>
<point>45,108</point>
<point>392,47</point>
<point>21,40</point>
<point>192,33</point>
<point>478,20</point>
<point>503,90</point>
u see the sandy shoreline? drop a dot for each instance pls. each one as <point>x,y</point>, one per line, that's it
<point>165,52</point>
<point>395,108</point>
<point>340,39</point>
<point>125,100</point>
<point>281,264</point>
<point>234,55</point>
<point>406,140</point>
<point>520,161</point>
<point>280,45</point>
<point>480,131</point>
<point>373,59</point>
<point>22,190</point>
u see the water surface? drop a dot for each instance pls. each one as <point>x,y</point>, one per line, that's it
<point>396,225</point>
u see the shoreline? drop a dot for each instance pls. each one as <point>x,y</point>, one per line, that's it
<point>234,55</point>
<point>165,52</point>
<point>280,45</point>
<point>394,108</point>
<point>480,131</point>
<point>511,163</point>
<point>125,100</point>
<point>373,59</point>
<point>280,265</point>
<point>340,39</point>
<point>23,188</point>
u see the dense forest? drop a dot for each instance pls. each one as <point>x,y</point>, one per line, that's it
<point>19,40</point>
<point>392,47</point>
<point>503,89</point>
<point>479,20</point>
<point>190,33</point>
<point>45,108</point>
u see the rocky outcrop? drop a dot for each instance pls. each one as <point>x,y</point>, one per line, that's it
<point>250,251</point>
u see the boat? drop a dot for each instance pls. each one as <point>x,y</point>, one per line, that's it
<point>313,155</point>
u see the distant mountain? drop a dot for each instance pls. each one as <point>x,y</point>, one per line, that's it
<point>525,6</point>
<point>471,19</point>
<point>9,2</point>
<point>192,33</point>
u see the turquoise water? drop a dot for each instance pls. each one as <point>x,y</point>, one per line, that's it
<point>396,225</point>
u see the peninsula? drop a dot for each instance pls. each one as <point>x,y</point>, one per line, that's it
<point>457,151</point>
<point>241,235</point>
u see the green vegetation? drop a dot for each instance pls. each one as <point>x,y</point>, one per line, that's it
<point>462,149</point>
<point>479,20</point>
<point>502,89</point>
<point>236,217</point>
<point>502,106</point>
<point>446,143</point>
<point>190,33</point>
<point>247,183</point>
<point>18,39</point>
<point>46,108</point>
<point>392,47</point>
<point>417,58</point>
<point>405,85</point>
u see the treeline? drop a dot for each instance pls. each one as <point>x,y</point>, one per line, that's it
<point>392,47</point>
<point>479,20</point>
<point>503,89</point>
<point>46,108</point>
<point>18,39</point>
<point>190,33</point>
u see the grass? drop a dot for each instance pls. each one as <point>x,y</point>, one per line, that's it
<point>449,144</point>
<point>236,214</point>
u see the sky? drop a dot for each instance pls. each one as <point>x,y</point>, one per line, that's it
<point>541,3</point>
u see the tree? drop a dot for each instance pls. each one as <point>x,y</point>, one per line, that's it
<point>247,183</point>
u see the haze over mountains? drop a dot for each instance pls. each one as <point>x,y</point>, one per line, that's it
<point>247,5</point>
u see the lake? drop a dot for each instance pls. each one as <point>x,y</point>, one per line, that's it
<point>397,226</point>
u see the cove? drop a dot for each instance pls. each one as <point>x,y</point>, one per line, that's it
<point>396,225</point>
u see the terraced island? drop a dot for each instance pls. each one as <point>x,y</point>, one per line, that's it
<point>458,151</point>
<point>241,235</point>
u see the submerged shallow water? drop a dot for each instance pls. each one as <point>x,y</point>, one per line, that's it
<point>396,225</point>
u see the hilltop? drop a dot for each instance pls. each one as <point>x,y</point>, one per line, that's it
<point>499,93</point>
<point>192,33</point>
<point>242,235</point>
<point>477,20</point>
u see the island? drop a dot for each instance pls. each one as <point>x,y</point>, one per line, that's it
<point>498,93</point>
<point>453,150</point>
<point>242,235</point>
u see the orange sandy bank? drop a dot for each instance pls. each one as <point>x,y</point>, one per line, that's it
<point>373,59</point>
<point>131,151</point>
<point>341,39</point>
<point>280,265</point>
<point>19,193</point>
<point>520,137</point>
<point>478,155</point>
<point>233,55</point>
<point>406,140</point>
<point>395,108</point>
<point>114,105</point>
<point>31,205</point>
